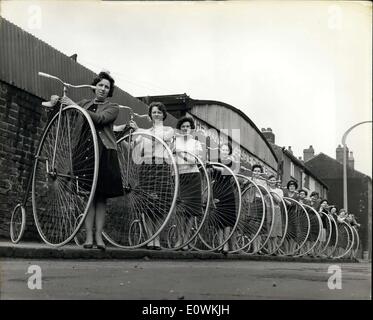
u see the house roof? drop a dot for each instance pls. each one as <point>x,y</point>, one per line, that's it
<point>299,163</point>
<point>333,168</point>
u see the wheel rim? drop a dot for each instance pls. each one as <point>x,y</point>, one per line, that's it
<point>345,240</point>
<point>17,223</point>
<point>224,209</point>
<point>192,205</point>
<point>328,246</point>
<point>62,195</point>
<point>269,222</point>
<point>135,235</point>
<point>315,231</point>
<point>252,216</point>
<point>298,228</point>
<point>356,242</point>
<point>283,222</point>
<point>150,190</point>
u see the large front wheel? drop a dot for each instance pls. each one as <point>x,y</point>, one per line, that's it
<point>192,204</point>
<point>150,184</point>
<point>65,175</point>
<point>224,211</point>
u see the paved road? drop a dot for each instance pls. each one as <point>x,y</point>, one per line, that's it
<point>170,280</point>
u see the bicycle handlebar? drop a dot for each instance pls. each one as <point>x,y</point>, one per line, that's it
<point>134,113</point>
<point>68,85</point>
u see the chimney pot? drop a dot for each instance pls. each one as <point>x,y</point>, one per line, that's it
<point>269,135</point>
<point>339,153</point>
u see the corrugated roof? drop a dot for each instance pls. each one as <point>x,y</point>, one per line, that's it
<point>22,56</point>
<point>186,103</point>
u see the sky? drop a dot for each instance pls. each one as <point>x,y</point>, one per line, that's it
<point>302,68</point>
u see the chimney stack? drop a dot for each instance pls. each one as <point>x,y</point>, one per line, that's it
<point>339,154</point>
<point>289,149</point>
<point>308,154</point>
<point>269,135</point>
<point>74,57</point>
<point>351,161</point>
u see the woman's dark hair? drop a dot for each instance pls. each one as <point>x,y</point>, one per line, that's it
<point>185,119</point>
<point>292,182</point>
<point>314,193</point>
<point>331,207</point>
<point>160,106</point>
<point>257,166</point>
<point>101,76</point>
<point>302,190</point>
<point>323,200</point>
<point>229,147</point>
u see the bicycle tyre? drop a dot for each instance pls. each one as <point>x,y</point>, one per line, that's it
<point>150,189</point>
<point>61,196</point>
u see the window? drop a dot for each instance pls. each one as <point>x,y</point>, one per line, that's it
<point>291,169</point>
<point>306,180</point>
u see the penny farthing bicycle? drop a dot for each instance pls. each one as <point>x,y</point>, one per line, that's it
<point>355,247</point>
<point>64,176</point>
<point>299,226</point>
<point>345,240</point>
<point>224,209</point>
<point>252,214</point>
<point>280,228</point>
<point>150,183</point>
<point>329,236</point>
<point>314,234</point>
<point>192,204</point>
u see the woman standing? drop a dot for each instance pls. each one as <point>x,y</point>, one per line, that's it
<point>324,213</point>
<point>151,172</point>
<point>257,172</point>
<point>293,215</point>
<point>225,193</point>
<point>190,187</point>
<point>276,233</point>
<point>109,183</point>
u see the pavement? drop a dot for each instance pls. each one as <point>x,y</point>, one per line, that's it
<point>54,279</point>
<point>37,250</point>
<point>71,272</point>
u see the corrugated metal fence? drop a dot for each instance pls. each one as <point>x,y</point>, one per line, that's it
<point>22,56</point>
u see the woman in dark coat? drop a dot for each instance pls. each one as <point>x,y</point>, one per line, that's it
<point>224,191</point>
<point>109,184</point>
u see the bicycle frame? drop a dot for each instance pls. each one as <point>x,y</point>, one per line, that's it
<point>66,85</point>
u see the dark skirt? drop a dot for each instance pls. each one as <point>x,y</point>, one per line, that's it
<point>225,211</point>
<point>190,194</point>
<point>109,182</point>
<point>254,217</point>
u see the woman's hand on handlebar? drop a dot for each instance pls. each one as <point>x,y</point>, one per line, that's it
<point>133,125</point>
<point>63,100</point>
<point>54,99</point>
<point>67,101</point>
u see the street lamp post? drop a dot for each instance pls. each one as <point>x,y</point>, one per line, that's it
<point>345,202</point>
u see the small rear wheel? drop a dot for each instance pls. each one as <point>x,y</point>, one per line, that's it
<point>17,223</point>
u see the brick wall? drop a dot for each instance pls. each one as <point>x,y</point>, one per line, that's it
<point>21,123</point>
